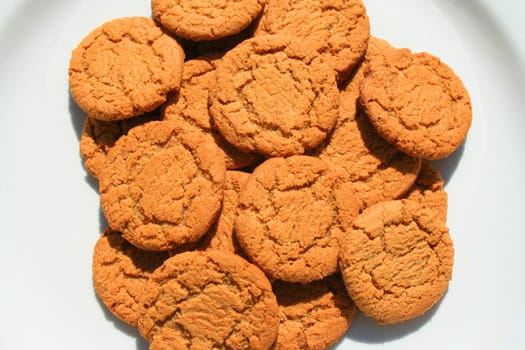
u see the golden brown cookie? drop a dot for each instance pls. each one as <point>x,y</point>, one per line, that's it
<point>162,186</point>
<point>206,20</point>
<point>124,68</point>
<point>221,236</point>
<point>98,137</point>
<point>396,260</point>
<point>275,97</point>
<point>314,315</point>
<point>289,218</point>
<point>429,190</point>
<point>376,169</point>
<point>209,300</point>
<point>120,272</point>
<point>417,103</point>
<point>338,30</point>
<point>189,108</point>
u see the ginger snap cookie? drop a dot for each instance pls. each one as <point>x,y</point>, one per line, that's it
<point>396,260</point>
<point>98,137</point>
<point>120,272</point>
<point>124,68</point>
<point>162,186</point>
<point>209,300</point>
<point>417,103</point>
<point>289,218</point>
<point>314,315</point>
<point>188,108</point>
<point>429,189</point>
<point>275,97</point>
<point>206,20</point>
<point>376,169</point>
<point>338,30</point>
<point>221,235</point>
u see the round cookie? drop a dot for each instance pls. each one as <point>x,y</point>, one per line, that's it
<point>221,236</point>
<point>209,300</point>
<point>396,260</point>
<point>188,108</point>
<point>376,169</point>
<point>417,103</point>
<point>162,186</point>
<point>289,218</point>
<point>124,68</point>
<point>206,20</point>
<point>276,97</point>
<point>120,272</point>
<point>98,137</point>
<point>429,190</point>
<point>338,30</point>
<point>314,315</point>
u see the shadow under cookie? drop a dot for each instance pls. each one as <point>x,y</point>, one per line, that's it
<point>367,330</point>
<point>447,166</point>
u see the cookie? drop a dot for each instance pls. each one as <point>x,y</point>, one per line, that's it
<point>396,260</point>
<point>221,235</point>
<point>209,300</point>
<point>120,272</point>
<point>205,20</point>
<point>275,97</point>
<point>162,186</point>
<point>376,169</point>
<point>338,30</point>
<point>417,103</point>
<point>124,68</point>
<point>188,108</point>
<point>289,218</point>
<point>314,315</point>
<point>429,190</point>
<point>98,137</point>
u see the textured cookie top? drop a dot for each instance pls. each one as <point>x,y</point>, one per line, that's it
<point>162,186</point>
<point>396,260</point>
<point>221,235</point>
<point>124,68</point>
<point>376,169</point>
<point>337,29</point>
<point>120,272</point>
<point>289,217</point>
<point>206,20</point>
<point>276,97</point>
<point>429,189</point>
<point>188,108</point>
<point>417,103</point>
<point>98,137</point>
<point>209,300</point>
<point>313,315</point>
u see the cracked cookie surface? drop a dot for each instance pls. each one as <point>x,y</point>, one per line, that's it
<point>289,218</point>
<point>314,315</point>
<point>124,68</point>
<point>337,29</point>
<point>376,169</point>
<point>162,186</point>
<point>206,20</point>
<point>188,108</point>
<point>120,272</point>
<point>417,103</point>
<point>209,300</point>
<point>98,137</point>
<point>429,189</point>
<point>221,235</point>
<point>276,97</point>
<point>396,260</point>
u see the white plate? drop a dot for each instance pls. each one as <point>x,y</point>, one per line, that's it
<point>50,210</point>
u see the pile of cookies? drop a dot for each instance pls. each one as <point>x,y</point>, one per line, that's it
<point>264,168</point>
